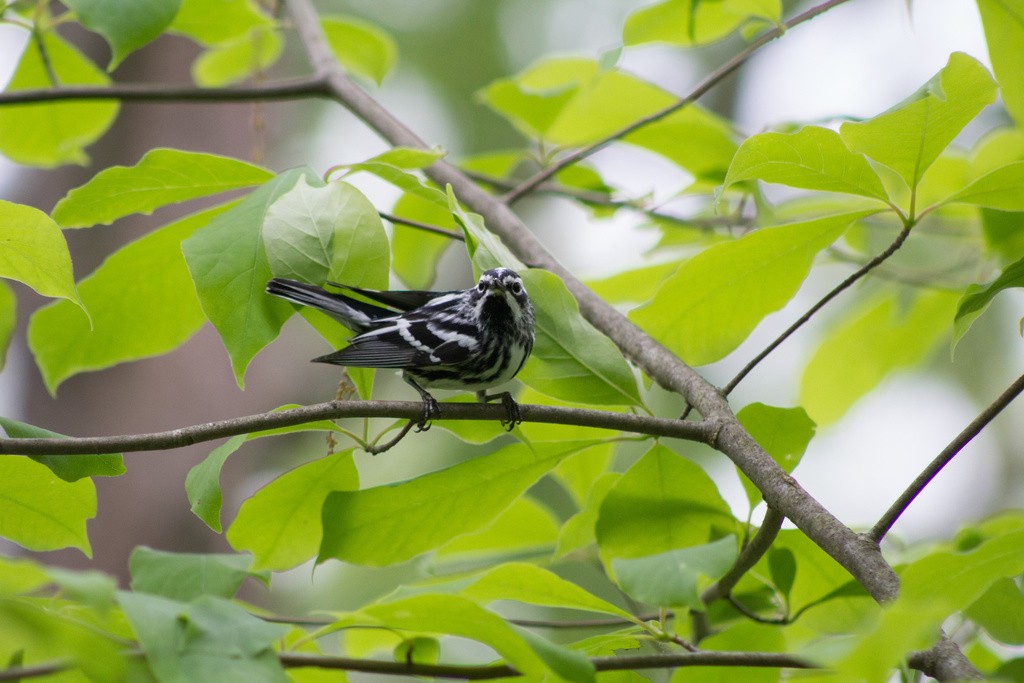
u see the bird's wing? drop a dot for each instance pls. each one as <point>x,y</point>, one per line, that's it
<point>353,314</point>
<point>373,353</point>
<point>398,300</point>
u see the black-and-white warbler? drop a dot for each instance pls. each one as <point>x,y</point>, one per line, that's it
<point>469,340</point>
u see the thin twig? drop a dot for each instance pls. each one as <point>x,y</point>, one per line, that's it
<point>437,230</point>
<point>748,557</point>
<point>802,320</point>
<point>332,410</point>
<point>713,79</point>
<point>374,449</point>
<point>885,523</point>
<point>593,198</point>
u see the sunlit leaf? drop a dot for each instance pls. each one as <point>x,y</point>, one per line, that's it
<point>663,502</point>
<point>36,254</point>
<point>209,23</point>
<point>571,360</point>
<point>871,343</point>
<point>237,59</point>
<point>715,300</point>
<point>162,177</point>
<point>692,22</point>
<point>911,135</point>
<point>52,134</point>
<point>142,302</point>
<point>812,158</point>
<point>40,511</point>
<point>280,523</point>
<point>977,298</point>
<point>782,432</point>
<point>361,47</point>
<point>125,26</point>
<point>389,524</point>
<point>1004,37</point>
<point>228,264</point>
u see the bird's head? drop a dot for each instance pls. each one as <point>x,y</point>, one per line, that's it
<point>506,284</point>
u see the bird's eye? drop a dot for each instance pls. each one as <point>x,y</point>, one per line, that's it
<point>482,286</point>
<point>517,287</point>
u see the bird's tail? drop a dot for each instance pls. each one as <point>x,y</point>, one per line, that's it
<point>355,315</point>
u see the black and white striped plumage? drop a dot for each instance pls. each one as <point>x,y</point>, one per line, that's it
<point>470,339</point>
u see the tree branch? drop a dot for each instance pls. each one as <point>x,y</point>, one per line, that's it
<point>859,556</point>
<point>901,504</point>
<point>160,92</point>
<point>490,671</point>
<point>713,79</point>
<point>333,410</point>
<point>749,556</point>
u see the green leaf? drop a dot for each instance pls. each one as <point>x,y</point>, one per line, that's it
<point>633,286</point>
<point>717,298</point>
<point>534,585</point>
<point>8,320</point>
<point>812,158</point>
<point>40,511</point>
<point>676,577</point>
<point>125,26</point>
<point>48,134</point>
<point>237,59</point>
<point>690,22</point>
<point>162,177</point>
<point>188,576</point>
<point>458,616</point>
<point>579,531</point>
<point>1000,611</point>
<point>1004,36</point>
<point>359,46</point>
<point>210,639</point>
<point>783,432</point>
<point>209,23</point>
<point>415,253</point>
<point>485,249</point>
<point>524,528</point>
<point>1001,189</point>
<point>393,523</point>
<point>21,575</point>
<point>142,302</point>
<point>202,484</point>
<point>35,253</point>
<point>663,502</point>
<point>319,233</point>
<point>976,299</point>
<point>869,345</point>
<point>570,101</point>
<point>571,360</point>
<point>280,523</point>
<point>94,588</point>
<point>910,136</point>
<point>70,468</point>
<point>228,264</point>
<point>744,637</point>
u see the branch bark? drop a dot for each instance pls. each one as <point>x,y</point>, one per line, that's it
<point>333,410</point>
<point>860,557</point>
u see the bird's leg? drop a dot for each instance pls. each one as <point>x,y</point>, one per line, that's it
<point>511,407</point>
<point>431,410</point>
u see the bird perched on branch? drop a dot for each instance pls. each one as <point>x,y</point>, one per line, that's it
<point>469,340</point>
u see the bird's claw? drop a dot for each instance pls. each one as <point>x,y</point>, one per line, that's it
<point>515,416</point>
<point>431,411</point>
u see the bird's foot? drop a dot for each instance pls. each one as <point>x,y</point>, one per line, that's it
<point>515,416</point>
<point>431,411</point>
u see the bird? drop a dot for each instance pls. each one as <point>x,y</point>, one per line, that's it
<point>470,339</point>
